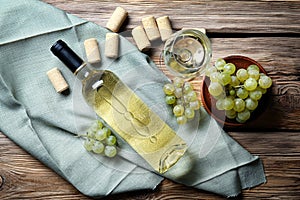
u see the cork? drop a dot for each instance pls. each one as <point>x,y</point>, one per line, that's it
<point>116,20</point>
<point>140,38</point>
<point>92,50</point>
<point>164,27</point>
<point>151,28</point>
<point>57,80</point>
<point>112,45</point>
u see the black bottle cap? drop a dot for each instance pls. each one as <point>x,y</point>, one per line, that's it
<point>64,53</point>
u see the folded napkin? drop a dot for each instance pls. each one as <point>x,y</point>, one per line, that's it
<point>44,122</point>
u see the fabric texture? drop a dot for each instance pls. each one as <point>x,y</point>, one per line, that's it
<point>44,123</point>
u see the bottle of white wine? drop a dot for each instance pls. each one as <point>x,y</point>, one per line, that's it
<point>125,112</point>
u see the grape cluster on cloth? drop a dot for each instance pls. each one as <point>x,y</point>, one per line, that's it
<point>182,97</point>
<point>237,91</point>
<point>99,139</point>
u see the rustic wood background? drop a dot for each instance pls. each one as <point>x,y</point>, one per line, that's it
<point>267,31</point>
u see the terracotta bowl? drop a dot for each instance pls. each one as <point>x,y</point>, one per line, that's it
<point>209,102</point>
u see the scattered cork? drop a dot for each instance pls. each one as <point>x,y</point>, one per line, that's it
<point>112,45</point>
<point>117,19</point>
<point>164,27</point>
<point>57,80</point>
<point>140,38</point>
<point>151,28</point>
<point>92,50</point>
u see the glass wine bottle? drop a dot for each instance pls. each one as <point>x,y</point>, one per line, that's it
<point>125,112</point>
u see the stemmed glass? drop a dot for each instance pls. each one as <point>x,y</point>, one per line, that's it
<point>187,53</point>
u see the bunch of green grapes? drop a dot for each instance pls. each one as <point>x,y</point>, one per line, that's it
<point>181,95</point>
<point>100,140</point>
<point>237,91</point>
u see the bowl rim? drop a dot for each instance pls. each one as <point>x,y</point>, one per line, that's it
<point>225,122</point>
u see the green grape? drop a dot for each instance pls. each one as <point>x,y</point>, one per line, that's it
<point>253,67</point>
<point>263,91</point>
<point>229,68</point>
<point>228,103</point>
<point>221,96</point>
<point>101,134</point>
<point>178,110</point>
<point>231,114</point>
<point>242,93</point>
<point>253,74</point>
<point>178,82</point>
<point>185,99</point>
<point>111,140</point>
<point>88,144</point>
<point>189,113</point>
<point>250,84</point>
<point>224,78</point>
<point>262,74</point>
<point>107,130</point>
<point>240,121</point>
<point>239,105</point>
<point>232,92</point>
<point>181,119</point>
<point>169,89</point>
<point>195,105</point>
<point>170,99</point>
<point>91,132</point>
<point>187,87</point>
<point>220,104</point>
<point>215,76</point>
<point>180,101</point>
<point>234,81</point>
<point>251,104</point>
<point>220,63</point>
<point>242,74</point>
<point>178,92</point>
<point>255,95</point>
<point>192,96</point>
<point>110,151</point>
<point>215,89</point>
<point>100,124</point>
<point>210,70</point>
<point>94,127</point>
<point>265,82</point>
<point>244,115</point>
<point>98,147</point>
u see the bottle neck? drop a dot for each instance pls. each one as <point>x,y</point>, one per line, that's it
<point>83,72</point>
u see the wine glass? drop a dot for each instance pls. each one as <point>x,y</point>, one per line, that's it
<point>187,53</point>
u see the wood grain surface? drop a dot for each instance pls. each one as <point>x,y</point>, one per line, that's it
<point>267,31</point>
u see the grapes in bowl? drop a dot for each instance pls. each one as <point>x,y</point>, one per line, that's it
<point>235,90</point>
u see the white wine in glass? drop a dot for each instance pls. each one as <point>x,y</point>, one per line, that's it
<point>187,53</point>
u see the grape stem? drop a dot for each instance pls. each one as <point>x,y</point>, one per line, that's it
<point>82,135</point>
<point>239,86</point>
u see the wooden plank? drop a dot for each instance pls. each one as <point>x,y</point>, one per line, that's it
<point>25,177</point>
<point>216,16</point>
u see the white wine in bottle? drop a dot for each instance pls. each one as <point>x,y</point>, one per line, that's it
<point>125,112</point>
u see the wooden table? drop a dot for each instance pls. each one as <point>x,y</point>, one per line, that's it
<point>267,31</point>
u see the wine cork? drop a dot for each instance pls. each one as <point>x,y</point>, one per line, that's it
<point>57,80</point>
<point>112,45</point>
<point>92,50</point>
<point>151,28</point>
<point>140,38</point>
<point>164,27</point>
<point>116,20</point>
